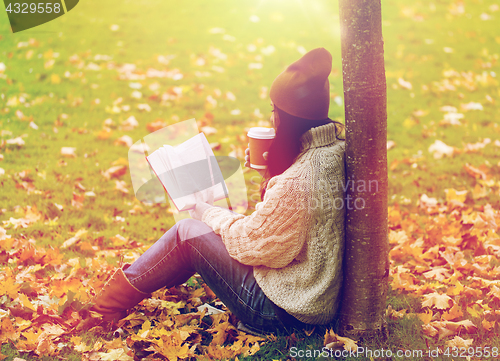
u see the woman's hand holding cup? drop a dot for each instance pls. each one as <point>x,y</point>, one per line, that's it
<point>247,160</point>
<point>260,140</point>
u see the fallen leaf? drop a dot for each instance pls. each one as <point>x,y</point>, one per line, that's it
<point>68,152</point>
<point>436,300</point>
<point>71,241</point>
<point>405,84</point>
<point>130,123</point>
<point>454,313</point>
<point>459,342</point>
<point>16,141</point>
<point>440,149</point>
<point>333,341</point>
<point>426,317</point>
<point>454,195</point>
<point>115,172</point>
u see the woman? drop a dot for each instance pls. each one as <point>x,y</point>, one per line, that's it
<point>282,265</point>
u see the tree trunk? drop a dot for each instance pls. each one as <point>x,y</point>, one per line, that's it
<point>366,265</point>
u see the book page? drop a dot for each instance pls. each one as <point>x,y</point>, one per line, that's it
<point>188,169</point>
<point>163,161</point>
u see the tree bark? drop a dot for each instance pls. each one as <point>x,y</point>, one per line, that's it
<point>366,265</point>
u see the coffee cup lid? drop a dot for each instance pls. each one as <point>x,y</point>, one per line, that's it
<point>261,133</point>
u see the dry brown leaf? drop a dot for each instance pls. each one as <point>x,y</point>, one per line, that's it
<point>121,186</point>
<point>495,292</point>
<point>459,342</point>
<point>71,241</point>
<point>124,140</point>
<point>115,172</point>
<point>429,330</point>
<point>449,328</point>
<point>333,341</point>
<point>436,300</point>
<point>68,152</point>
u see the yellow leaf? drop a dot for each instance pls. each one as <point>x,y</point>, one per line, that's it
<point>9,287</point>
<point>146,327</point>
<point>408,123</point>
<point>479,192</point>
<point>220,335</point>
<point>454,195</point>
<point>32,337</point>
<point>473,312</point>
<point>253,350</point>
<point>173,307</point>
<point>455,291</point>
<point>26,302</point>
<point>55,79</point>
<point>426,317</point>
<point>173,352</point>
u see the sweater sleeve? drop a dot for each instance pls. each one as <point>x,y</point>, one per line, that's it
<point>273,234</point>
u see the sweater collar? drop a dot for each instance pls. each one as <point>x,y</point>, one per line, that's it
<point>318,137</point>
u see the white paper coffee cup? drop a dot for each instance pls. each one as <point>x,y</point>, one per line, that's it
<point>260,140</point>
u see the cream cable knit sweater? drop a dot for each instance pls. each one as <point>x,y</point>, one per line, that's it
<point>295,237</point>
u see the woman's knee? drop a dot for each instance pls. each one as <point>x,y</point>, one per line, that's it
<point>190,228</point>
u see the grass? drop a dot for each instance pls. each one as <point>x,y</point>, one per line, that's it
<point>68,102</point>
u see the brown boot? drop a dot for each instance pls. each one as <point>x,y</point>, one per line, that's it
<point>116,297</point>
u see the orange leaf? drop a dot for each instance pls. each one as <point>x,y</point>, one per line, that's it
<point>104,134</point>
<point>7,329</point>
<point>220,333</point>
<point>453,313</point>
<point>488,325</point>
<point>210,294</point>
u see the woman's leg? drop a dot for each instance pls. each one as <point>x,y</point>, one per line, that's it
<point>191,246</point>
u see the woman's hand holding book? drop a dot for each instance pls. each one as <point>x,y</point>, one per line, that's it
<point>201,205</point>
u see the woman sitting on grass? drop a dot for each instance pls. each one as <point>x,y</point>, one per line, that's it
<point>281,266</point>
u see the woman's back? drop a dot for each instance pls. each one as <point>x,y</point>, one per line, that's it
<point>314,187</point>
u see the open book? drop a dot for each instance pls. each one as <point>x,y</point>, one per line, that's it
<point>187,171</point>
